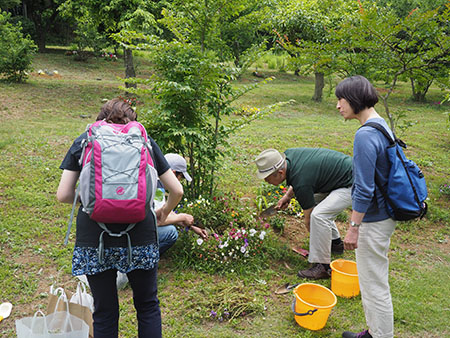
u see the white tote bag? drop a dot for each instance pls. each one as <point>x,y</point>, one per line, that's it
<point>82,297</point>
<point>59,324</point>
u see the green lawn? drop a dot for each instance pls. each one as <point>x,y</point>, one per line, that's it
<point>41,118</point>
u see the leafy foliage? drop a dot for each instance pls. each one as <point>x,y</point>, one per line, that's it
<point>415,47</point>
<point>16,51</point>
<point>190,96</point>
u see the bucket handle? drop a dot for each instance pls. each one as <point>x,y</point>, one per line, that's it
<point>307,313</point>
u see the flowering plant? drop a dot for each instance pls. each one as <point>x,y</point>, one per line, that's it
<point>236,236</point>
<point>132,101</point>
<point>270,195</point>
<point>219,213</point>
<point>109,56</point>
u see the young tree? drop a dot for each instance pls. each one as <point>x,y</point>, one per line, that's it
<point>114,16</point>
<point>16,51</point>
<point>303,29</point>
<point>416,47</point>
<point>188,97</point>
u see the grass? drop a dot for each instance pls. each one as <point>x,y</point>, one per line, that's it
<point>41,118</point>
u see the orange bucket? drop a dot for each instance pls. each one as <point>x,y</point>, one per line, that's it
<point>312,305</point>
<point>344,278</point>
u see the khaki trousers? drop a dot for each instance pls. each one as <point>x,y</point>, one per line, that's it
<point>322,226</point>
<point>373,272</point>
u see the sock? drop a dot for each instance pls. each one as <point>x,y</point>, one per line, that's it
<point>337,240</point>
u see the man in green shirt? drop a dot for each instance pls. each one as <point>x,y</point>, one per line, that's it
<point>321,180</point>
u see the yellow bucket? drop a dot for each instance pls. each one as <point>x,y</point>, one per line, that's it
<point>312,305</point>
<point>344,278</point>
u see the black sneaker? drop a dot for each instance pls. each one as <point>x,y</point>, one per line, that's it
<point>317,271</point>
<point>337,249</point>
<point>364,334</point>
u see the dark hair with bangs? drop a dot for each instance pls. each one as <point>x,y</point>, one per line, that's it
<point>358,92</point>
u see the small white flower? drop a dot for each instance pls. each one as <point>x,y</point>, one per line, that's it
<point>261,235</point>
<point>225,244</point>
<point>199,241</point>
<point>252,232</point>
<point>243,249</point>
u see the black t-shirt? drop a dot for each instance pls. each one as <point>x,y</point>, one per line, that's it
<point>88,231</point>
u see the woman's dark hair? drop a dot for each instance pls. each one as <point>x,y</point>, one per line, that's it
<point>117,111</point>
<point>358,92</point>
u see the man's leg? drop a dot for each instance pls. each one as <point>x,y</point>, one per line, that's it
<point>167,236</point>
<point>323,228</point>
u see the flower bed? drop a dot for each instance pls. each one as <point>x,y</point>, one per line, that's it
<point>237,240</point>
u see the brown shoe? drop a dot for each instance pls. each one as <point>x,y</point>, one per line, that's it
<point>317,271</point>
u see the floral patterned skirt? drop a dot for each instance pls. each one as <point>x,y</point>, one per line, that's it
<point>85,260</point>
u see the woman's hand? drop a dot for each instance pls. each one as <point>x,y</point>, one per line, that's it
<point>162,213</point>
<point>351,238</point>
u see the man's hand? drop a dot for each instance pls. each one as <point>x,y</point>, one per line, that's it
<point>283,203</point>
<point>199,231</point>
<point>351,238</point>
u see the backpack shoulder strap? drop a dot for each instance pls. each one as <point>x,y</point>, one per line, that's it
<point>381,129</point>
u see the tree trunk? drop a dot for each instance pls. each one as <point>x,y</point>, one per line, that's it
<point>236,52</point>
<point>388,113</point>
<point>319,83</point>
<point>420,88</point>
<point>129,67</point>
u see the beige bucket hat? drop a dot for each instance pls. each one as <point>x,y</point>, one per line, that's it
<point>269,161</point>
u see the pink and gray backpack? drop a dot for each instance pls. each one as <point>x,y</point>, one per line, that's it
<point>118,176</point>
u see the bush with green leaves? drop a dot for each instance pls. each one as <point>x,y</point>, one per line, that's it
<point>16,51</point>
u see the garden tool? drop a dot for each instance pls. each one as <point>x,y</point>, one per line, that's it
<point>5,310</point>
<point>285,288</point>
<point>270,211</point>
<point>301,251</point>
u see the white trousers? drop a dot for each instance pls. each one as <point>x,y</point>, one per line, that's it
<point>373,272</point>
<point>322,226</point>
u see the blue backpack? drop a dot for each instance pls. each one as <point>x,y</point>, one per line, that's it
<point>406,190</point>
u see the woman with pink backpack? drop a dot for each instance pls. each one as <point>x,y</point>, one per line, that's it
<point>118,246</point>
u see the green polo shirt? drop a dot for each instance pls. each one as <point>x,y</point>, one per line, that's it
<point>316,170</point>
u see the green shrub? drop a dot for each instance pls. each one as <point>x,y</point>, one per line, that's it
<point>16,51</point>
<point>272,64</point>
